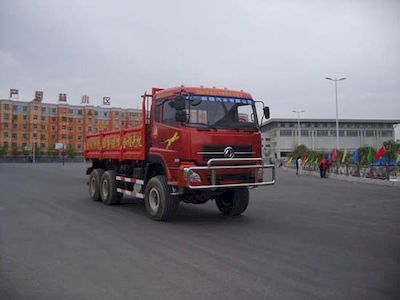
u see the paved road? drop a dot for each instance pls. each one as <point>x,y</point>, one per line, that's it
<point>303,238</point>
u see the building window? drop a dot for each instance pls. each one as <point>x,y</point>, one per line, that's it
<point>14,135</point>
<point>333,132</point>
<point>79,128</point>
<point>304,133</point>
<point>79,138</point>
<point>71,137</point>
<point>25,126</point>
<point>71,120</point>
<point>43,127</point>
<point>386,133</point>
<point>63,127</point>
<point>25,136</point>
<point>35,108</point>
<point>71,128</point>
<point>352,133</point>
<point>42,136</point>
<point>53,128</point>
<point>15,126</point>
<point>6,125</point>
<point>322,132</point>
<point>79,146</point>
<point>15,117</point>
<point>34,126</point>
<point>63,136</point>
<point>43,118</point>
<point>53,119</point>
<point>53,137</point>
<point>53,110</point>
<point>80,112</point>
<point>34,135</point>
<point>64,119</point>
<point>369,133</point>
<point>35,117</point>
<point>25,108</point>
<point>42,145</point>
<point>284,132</point>
<point>24,118</point>
<point>43,109</point>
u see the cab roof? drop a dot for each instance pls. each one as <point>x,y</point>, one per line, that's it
<point>167,93</point>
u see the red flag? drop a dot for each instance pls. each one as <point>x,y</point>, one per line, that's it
<point>334,155</point>
<point>379,153</point>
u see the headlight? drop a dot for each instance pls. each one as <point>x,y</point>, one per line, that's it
<point>259,174</point>
<point>194,177</point>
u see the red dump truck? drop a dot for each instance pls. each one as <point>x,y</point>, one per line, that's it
<point>195,145</point>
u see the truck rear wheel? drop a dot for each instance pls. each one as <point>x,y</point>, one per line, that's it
<point>94,184</point>
<point>108,188</point>
<point>233,202</point>
<point>160,205</point>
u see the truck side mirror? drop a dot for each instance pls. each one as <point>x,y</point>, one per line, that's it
<point>266,112</point>
<point>180,116</point>
<point>179,103</point>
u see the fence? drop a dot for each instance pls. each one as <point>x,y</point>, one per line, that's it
<point>375,172</point>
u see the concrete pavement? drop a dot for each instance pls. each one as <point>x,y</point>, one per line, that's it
<point>304,238</point>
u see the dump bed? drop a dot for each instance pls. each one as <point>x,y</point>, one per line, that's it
<point>124,144</point>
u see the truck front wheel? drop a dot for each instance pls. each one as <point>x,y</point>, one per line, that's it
<point>94,184</point>
<point>108,188</point>
<point>233,202</point>
<point>160,205</point>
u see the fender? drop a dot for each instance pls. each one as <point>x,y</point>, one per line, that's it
<point>156,158</point>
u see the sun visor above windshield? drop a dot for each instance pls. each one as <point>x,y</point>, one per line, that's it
<point>220,99</point>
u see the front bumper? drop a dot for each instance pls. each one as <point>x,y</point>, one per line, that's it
<point>226,164</point>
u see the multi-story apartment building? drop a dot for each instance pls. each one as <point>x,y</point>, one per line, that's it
<point>280,136</point>
<point>24,124</point>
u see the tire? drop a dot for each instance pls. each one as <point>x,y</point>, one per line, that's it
<point>108,189</point>
<point>94,184</point>
<point>233,202</point>
<point>160,205</point>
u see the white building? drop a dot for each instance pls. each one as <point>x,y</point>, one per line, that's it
<point>279,136</point>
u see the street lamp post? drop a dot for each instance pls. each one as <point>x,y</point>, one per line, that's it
<point>298,112</point>
<point>337,108</point>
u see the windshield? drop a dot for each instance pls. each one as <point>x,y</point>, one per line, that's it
<point>221,112</point>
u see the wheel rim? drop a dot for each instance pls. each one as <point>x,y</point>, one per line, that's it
<point>154,199</point>
<point>225,205</point>
<point>104,188</point>
<point>92,186</point>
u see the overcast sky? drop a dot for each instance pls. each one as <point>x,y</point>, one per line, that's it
<point>279,51</point>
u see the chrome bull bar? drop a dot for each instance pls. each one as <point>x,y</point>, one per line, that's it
<point>213,169</point>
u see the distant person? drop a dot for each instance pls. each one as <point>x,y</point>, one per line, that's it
<point>298,165</point>
<point>323,167</point>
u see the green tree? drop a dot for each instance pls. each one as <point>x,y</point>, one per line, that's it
<point>71,152</point>
<point>3,150</point>
<point>391,150</point>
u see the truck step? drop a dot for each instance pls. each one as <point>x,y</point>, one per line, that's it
<point>130,180</point>
<point>130,193</point>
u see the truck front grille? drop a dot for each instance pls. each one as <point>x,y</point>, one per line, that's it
<point>217,151</point>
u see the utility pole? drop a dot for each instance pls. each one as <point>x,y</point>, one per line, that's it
<point>298,112</point>
<point>337,108</point>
